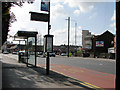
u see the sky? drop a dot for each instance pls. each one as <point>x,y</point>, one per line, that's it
<point>93,15</point>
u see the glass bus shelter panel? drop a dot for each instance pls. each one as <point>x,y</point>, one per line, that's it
<point>31,50</point>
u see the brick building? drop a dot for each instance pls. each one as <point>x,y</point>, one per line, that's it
<point>101,43</point>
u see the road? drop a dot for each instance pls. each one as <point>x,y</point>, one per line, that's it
<point>98,72</point>
<point>95,72</point>
<point>98,64</point>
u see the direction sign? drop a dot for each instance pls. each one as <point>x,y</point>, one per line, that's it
<point>39,16</point>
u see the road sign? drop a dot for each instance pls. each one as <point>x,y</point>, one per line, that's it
<point>39,16</point>
<point>44,5</point>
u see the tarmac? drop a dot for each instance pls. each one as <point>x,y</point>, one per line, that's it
<point>17,76</point>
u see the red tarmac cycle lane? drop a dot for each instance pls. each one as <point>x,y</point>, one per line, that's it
<point>99,79</point>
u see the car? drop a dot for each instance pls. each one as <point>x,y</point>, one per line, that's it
<point>40,53</point>
<point>5,52</point>
<point>24,53</point>
<point>57,53</point>
<point>63,54</point>
<point>86,54</point>
<point>14,52</point>
<point>52,54</point>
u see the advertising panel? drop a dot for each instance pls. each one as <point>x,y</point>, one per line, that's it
<point>99,43</point>
<point>49,44</point>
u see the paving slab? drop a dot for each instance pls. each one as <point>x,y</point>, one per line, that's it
<point>17,75</point>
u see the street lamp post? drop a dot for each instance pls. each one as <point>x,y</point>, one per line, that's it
<point>68,33</point>
<point>75,34</point>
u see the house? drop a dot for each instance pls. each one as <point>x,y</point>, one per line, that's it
<point>101,43</point>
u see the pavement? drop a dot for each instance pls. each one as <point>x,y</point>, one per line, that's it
<point>16,75</point>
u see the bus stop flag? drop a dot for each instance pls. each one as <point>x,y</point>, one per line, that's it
<point>44,5</point>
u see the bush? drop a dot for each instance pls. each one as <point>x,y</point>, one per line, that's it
<point>79,52</point>
<point>70,54</point>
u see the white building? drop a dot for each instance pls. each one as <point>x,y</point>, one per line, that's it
<point>86,39</point>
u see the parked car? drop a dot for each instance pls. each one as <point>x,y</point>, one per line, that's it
<point>24,53</point>
<point>63,54</point>
<point>57,53</point>
<point>14,52</point>
<point>40,53</point>
<point>5,52</point>
<point>86,54</point>
<point>52,54</point>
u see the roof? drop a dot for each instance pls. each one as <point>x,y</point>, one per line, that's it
<point>13,47</point>
<point>106,32</point>
<point>25,34</point>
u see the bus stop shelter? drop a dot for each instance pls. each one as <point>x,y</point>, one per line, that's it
<point>28,54</point>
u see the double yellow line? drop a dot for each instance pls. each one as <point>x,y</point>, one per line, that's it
<point>80,82</point>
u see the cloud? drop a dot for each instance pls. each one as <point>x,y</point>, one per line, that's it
<point>93,15</point>
<point>89,0</point>
<point>114,16</point>
<point>79,27</point>
<point>77,12</point>
<point>113,25</point>
<point>83,7</point>
<point>61,36</point>
<point>56,1</point>
<point>58,10</point>
<point>78,35</point>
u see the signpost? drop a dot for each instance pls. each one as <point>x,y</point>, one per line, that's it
<point>45,6</point>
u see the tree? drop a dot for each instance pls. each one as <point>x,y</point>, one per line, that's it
<point>9,17</point>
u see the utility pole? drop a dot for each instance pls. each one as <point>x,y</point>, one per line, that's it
<point>68,33</point>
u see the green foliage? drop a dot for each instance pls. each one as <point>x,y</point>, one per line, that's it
<point>7,19</point>
<point>79,51</point>
<point>70,54</point>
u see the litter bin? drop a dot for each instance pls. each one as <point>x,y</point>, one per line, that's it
<point>20,57</point>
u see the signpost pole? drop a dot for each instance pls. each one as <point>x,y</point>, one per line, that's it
<point>48,59</point>
<point>45,6</point>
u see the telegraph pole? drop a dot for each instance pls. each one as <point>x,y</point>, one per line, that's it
<point>75,34</point>
<point>68,33</point>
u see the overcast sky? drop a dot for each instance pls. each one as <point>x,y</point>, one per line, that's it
<point>97,17</point>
